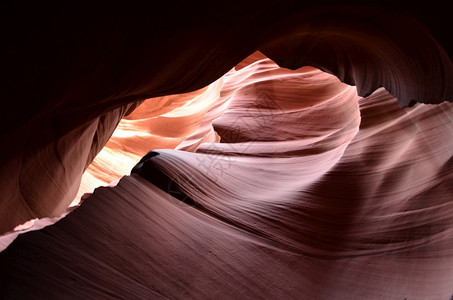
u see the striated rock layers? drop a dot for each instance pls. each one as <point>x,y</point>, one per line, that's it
<point>298,176</point>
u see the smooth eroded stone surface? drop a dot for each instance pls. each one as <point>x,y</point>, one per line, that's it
<point>70,73</point>
<point>309,191</point>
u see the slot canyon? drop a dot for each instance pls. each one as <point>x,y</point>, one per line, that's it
<point>253,150</point>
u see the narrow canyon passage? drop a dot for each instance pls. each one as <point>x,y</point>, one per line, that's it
<point>291,176</point>
<point>278,150</point>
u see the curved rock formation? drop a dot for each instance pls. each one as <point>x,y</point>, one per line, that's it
<point>306,176</point>
<point>79,64</point>
<point>318,188</point>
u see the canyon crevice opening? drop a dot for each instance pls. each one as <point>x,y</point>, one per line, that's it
<point>262,150</point>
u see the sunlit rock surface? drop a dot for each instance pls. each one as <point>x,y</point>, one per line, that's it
<point>273,184</point>
<point>164,122</point>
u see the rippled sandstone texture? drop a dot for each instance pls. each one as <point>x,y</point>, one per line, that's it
<point>313,189</point>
